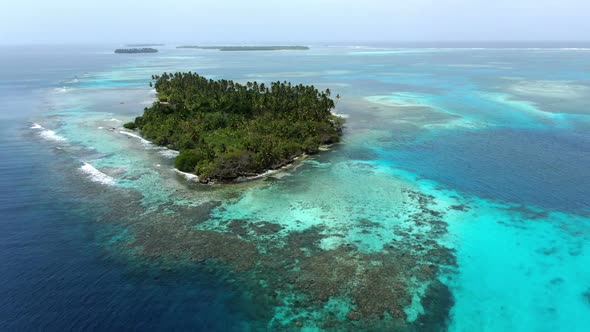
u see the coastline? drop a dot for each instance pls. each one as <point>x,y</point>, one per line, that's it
<point>292,164</point>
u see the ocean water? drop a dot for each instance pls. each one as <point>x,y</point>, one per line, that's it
<point>458,200</point>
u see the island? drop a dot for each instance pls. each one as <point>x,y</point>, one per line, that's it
<point>135,50</point>
<point>248,48</point>
<point>144,45</point>
<point>226,130</point>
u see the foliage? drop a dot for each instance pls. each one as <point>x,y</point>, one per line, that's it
<point>130,125</point>
<point>225,130</point>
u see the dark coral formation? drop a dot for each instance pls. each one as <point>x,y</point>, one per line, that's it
<point>528,213</point>
<point>437,303</point>
<point>460,207</point>
<point>173,238</point>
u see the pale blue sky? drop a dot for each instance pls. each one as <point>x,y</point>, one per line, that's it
<point>265,21</point>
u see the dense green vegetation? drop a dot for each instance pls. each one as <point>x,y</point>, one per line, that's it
<point>225,130</point>
<point>136,50</point>
<point>248,48</point>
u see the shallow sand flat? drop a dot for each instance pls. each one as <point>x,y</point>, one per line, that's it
<point>551,89</point>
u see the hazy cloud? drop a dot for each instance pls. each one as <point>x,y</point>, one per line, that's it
<point>34,21</point>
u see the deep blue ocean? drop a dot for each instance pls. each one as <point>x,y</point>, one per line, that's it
<point>479,154</point>
<point>55,277</point>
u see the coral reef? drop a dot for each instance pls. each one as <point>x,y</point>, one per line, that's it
<point>289,272</point>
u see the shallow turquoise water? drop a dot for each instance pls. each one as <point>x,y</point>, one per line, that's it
<point>482,151</point>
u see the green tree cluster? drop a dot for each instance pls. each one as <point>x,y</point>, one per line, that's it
<point>225,130</point>
<point>135,50</point>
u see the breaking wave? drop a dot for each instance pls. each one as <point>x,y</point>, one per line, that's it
<point>169,153</point>
<point>96,175</point>
<point>47,133</point>
<point>143,140</point>
<point>188,176</point>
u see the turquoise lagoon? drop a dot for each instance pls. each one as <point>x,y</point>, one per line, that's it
<point>458,200</point>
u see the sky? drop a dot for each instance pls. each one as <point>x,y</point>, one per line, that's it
<point>290,21</point>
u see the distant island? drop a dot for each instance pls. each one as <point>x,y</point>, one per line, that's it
<point>225,130</point>
<point>248,48</point>
<point>136,50</point>
<point>144,45</point>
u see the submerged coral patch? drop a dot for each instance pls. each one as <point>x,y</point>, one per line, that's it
<point>171,238</point>
<point>586,296</point>
<point>294,274</point>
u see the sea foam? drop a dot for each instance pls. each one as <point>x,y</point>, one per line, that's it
<point>48,134</point>
<point>188,176</point>
<point>165,152</point>
<point>169,153</point>
<point>62,89</point>
<point>96,175</point>
<point>143,140</point>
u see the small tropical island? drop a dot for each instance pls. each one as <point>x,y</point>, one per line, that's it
<point>144,45</point>
<point>226,131</point>
<point>135,50</point>
<point>247,48</point>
